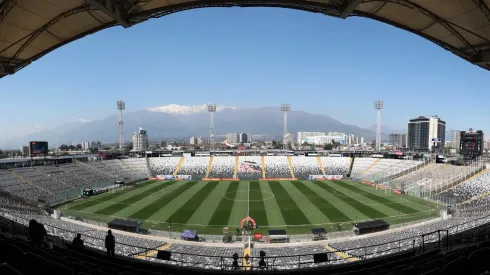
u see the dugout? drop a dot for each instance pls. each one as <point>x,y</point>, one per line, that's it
<point>278,236</point>
<point>319,234</point>
<point>125,225</point>
<point>370,227</point>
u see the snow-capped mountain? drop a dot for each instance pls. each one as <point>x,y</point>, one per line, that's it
<point>175,109</point>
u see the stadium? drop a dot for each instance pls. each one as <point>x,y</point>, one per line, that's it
<point>331,212</point>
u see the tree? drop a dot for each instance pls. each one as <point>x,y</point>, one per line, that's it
<point>79,146</point>
<point>94,150</point>
<point>63,147</point>
<point>328,146</point>
<point>1,153</point>
<point>129,146</point>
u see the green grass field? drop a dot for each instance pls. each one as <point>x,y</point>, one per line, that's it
<point>208,206</point>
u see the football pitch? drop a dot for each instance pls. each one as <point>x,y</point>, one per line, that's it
<point>208,206</point>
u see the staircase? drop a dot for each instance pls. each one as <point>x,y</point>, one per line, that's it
<point>321,165</point>
<point>235,171</point>
<point>263,166</point>
<point>148,167</point>
<point>341,254</point>
<point>290,167</point>
<point>371,166</point>
<point>246,264</point>
<point>210,165</point>
<point>178,166</point>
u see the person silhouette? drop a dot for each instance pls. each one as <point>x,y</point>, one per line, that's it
<point>110,243</point>
<point>77,242</point>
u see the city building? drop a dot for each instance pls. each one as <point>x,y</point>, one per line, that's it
<point>96,144</point>
<point>24,150</point>
<point>302,136</point>
<point>456,139</point>
<point>140,140</point>
<point>232,138</point>
<point>243,138</point>
<point>426,134</point>
<point>200,141</point>
<point>397,139</point>
<point>86,145</point>
<point>322,140</point>
<point>193,141</point>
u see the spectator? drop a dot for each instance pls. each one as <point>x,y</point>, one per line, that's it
<point>110,243</point>
<point>41,233</point>
<point>33,231</point>
<point>77,242</point>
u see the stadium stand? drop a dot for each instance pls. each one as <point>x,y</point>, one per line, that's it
<point>336,165</point>
<point>163,166</point>
<point>361,165</point>
<point>138,166</point>
<point>194,166</point>
<point>249,167</point>
<point>303,167</point>
<point>222,167</point>
<point>276,167</point>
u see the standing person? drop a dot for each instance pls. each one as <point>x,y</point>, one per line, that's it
<point>110,243</point>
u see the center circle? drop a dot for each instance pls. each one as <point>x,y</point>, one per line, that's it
<point>269,195</point>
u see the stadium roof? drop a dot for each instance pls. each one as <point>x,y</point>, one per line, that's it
<point>30,29</point>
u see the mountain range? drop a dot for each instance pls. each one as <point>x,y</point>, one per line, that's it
<point>177,121</point>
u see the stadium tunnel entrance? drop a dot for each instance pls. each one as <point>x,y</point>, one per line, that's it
<point>457,26</point>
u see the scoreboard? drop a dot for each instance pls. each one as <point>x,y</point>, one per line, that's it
<point>471,143</point>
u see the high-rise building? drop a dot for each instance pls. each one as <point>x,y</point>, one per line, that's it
<point>140,140</point>
<point>193,141</point>
<point>399,140</point>
<point>456,139</point>
<point>86,145</point>
<point>302,136</point>
<point>243,138</point>
<point>426,134</point>
<point>232,138</point>
<point>200,141</point>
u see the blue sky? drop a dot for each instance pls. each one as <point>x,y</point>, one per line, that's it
<point>248,57</point>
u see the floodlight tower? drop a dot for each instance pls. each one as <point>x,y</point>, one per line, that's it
<point>121,106</point>
<point>378,105</point>
<point>285,108</point>
<point>211,110</point>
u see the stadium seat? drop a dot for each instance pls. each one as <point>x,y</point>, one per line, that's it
<point>410,270</point>
<point>36,264</point>
<point>8,270</point>
<point>436,271</point>
<point>59,269</point>
<point>458,266</point>
<point>431,265</point>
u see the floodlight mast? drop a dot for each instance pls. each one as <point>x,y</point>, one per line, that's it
<point>211,110</point>
<point>121,106</point>
<point>378,105</point>
<point>285,108</point>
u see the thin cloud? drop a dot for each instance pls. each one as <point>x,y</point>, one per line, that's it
<point>83,120</point>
